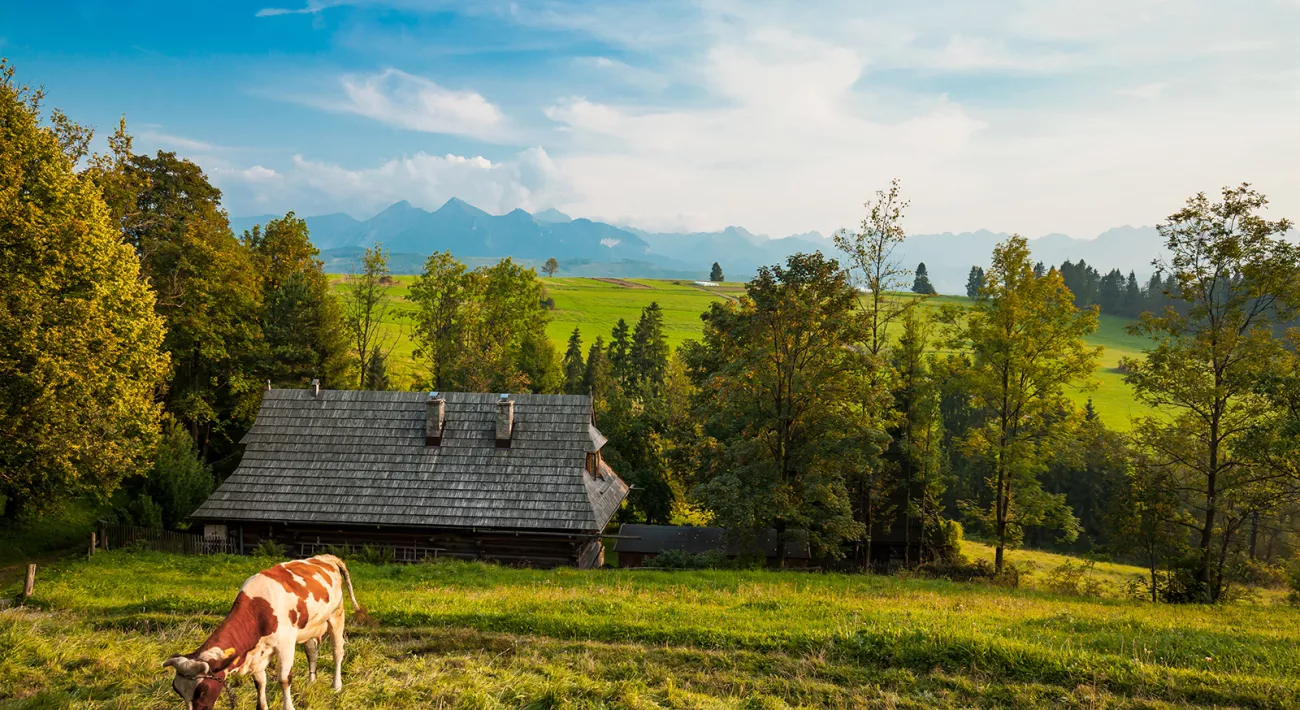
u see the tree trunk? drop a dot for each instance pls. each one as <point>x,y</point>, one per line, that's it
<point>1254,532</point>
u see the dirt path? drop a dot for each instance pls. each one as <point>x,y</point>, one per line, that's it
<point>619,282</point>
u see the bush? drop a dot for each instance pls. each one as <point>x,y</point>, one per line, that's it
<point>1293,582</point>
<point>1262,574</point>
<point>678,559</point>
<point>177,483</point>
<point>1074,579</point>
<point>270,548</point>
<point>962,570</point>
<point>944,538</point>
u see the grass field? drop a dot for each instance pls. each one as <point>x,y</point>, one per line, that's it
<point>595,306</point>
<point>468,635</point>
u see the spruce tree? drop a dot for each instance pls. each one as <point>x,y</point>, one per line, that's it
<point>574,369</point>
<point>974,282</point>
<point>921,284</point>
<point>715,274</point>
<point>649,353</point>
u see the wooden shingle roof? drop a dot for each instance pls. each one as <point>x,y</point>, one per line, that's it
<point>359,458</point>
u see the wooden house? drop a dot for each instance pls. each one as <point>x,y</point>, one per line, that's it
<point>517,479</point>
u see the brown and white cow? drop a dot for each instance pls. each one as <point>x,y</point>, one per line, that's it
<point>276,609</point>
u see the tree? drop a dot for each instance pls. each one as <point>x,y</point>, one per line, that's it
<point>648,355</point>
<point>440,294</point>
<point>80,342</point>
<point>921,284</point>
<point>1025,336</point>
<point>1238,282</point>
<point>715,274</point>
<point>598,378</point>
<point>551,266</point>
<point>917,446</point>
<point>575,370</point>
<point>375,376</point>
<point>870,253</point>
<point>366,305</point>
<point>975,282</point>
<point>620,345</point>
<point>302,326</point>
<point>175,486</point>
<point>210,294</point>
<point>774,376</point>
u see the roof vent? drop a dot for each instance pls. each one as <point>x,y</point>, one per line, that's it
<point>435,418</point>
<point>505,421</point>
<point>315,387</point>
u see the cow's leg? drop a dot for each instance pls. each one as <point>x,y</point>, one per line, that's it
<point>336,641</point>
<point>312,647</point>
<point>285,652</point>
<point>259,682</point>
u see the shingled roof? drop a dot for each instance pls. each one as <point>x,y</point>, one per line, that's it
<point>360,458</point>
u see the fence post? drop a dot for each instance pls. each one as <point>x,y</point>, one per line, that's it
<point>29,587</point>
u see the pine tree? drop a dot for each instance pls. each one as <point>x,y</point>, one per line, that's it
<point>575,369</point>
<point>974,282</point>
<point>922,282</point>
<point>649,353</point>
<point>715,274</point>
<point>598,379</point>
<point>620,345</point>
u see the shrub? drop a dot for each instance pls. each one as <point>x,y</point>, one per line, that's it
<point>1293,582</point>
<point>1074,579</point>
<point>963,570</point>
<point>944,538</point>
<point>1262,574</point>
<point>270,548</point>
<point>679,559</point>
<point>374,555</point>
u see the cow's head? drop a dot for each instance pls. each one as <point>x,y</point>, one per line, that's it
<point>193,682</point>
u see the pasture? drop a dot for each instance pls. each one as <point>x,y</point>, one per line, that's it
<point>470,635</point>
<point>595,306</point>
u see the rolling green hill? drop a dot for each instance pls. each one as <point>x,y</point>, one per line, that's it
<point>594,306</point>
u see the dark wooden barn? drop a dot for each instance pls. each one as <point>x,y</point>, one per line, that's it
<point>517,479</point>
<point>637,545</point>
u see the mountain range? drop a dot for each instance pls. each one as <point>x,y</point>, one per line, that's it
<point>590,248</point>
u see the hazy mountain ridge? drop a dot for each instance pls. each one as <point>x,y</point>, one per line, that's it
<point>589,248</point>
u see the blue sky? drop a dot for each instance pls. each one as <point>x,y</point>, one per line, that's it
<point>783,117</point>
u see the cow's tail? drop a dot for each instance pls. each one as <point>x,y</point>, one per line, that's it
<point>347,579</point>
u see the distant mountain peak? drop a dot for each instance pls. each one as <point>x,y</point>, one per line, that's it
<point>458,206</point>
<point>552,215</point>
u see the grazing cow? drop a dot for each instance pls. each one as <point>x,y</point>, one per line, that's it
<point>276,609</point>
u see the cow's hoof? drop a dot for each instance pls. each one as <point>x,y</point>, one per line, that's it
<point>338,687</point>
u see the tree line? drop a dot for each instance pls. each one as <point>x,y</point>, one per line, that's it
<point>831,400</point>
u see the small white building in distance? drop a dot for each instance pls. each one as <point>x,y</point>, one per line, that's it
<point>705,283</point>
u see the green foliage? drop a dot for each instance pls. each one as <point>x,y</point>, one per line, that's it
<point>208,292</point>
<point>79,340</point>
<point>575,370</point>
<point>270,549</point>
<point>366,304</point>
<point>679,559</point>
<point>778,385</point>
<point>975,282</point>
<point>1074,579</point>
<point>1221,436</point>
<point>921,284</point>
<point>1026,340</point>
<point>302,324</point>
<point>715,273</point>
<point>551,266</point>
<point>483,330</point>
<point>648,355</point>
<point>177,483</point>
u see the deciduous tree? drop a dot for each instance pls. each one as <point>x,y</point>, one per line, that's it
<point>367,304</point>
<point>80,341</point>
<point>1025,336</point>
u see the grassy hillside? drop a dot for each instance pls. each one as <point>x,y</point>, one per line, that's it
<point>458,635</point>
<point>595,306</point>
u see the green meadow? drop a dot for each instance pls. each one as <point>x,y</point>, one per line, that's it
<point>594,307</point>
<point>471,635</point>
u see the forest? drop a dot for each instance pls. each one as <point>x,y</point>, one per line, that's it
<point>139,331</point>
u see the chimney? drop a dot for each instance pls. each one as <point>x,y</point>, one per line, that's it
<point>315,387</point>
<point>505,421</point>
<point>435,417</point>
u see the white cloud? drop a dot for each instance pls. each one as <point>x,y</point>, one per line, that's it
<point>408,101</point>
<point>189,145</point>
<point>311,8</point>
<point>530,180</point>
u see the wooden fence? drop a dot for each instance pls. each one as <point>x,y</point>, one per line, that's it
<point>116,537</point>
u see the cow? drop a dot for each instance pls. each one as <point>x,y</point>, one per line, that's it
<point>275,610</point>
